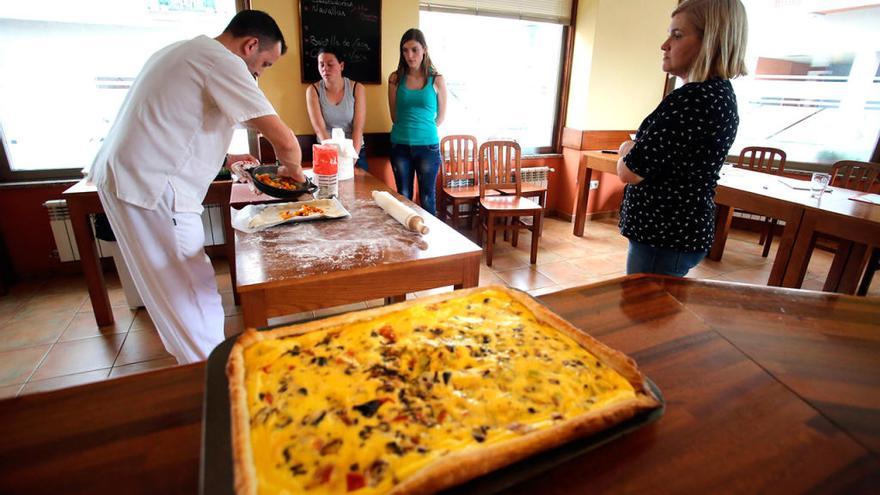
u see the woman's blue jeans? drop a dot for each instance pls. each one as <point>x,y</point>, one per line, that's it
<point>421,162</point>
<point>643,258</point>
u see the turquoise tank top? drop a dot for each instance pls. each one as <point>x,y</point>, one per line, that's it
<point>416,111</point>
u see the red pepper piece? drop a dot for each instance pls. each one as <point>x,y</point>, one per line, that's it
<point>355,481</point>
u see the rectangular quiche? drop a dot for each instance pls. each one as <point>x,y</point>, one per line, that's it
<point>419,396</point>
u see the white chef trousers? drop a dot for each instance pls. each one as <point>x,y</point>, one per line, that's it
<point>164,251</point>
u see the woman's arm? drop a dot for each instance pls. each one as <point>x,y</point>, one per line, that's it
<point>440,88</point>
<point>313,104</point>
<point>623,172</point>
<point>360,115</point>
<point>392,96</point>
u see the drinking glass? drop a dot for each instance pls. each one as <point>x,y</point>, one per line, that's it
<point>818,183</point>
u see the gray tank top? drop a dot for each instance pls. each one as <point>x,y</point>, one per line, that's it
<point>341,115</point>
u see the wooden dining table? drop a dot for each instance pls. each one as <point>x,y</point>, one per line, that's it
<point>305,266</point>
<point>767,390</point>
<point>589,161</point>
<point>82,202</point>
<point>856,225</point>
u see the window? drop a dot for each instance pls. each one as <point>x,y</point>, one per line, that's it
<point>67,67</point>
<point>502,76</point>
<point>814,83</point>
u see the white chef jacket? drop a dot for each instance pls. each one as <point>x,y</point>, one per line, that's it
<point>176,123</point>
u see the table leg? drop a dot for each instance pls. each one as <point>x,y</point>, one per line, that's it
<point>229,234</point>
<point>723,217</point>
<point>395,299</point>
<point>253,308</point>
<point>801,251</point>
<point>583,197</point>
<point>470,274</point>
<point>785,249</point>
<point>846,269</point>
<point>91,265</point>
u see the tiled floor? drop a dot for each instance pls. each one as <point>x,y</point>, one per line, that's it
<point>49,340</point>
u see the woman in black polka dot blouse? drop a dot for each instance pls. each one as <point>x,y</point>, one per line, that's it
<point>671,169</point>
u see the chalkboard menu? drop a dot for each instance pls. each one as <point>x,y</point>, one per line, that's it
<point>352,26</point>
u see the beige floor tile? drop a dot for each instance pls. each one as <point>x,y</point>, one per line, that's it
<point>755,276</point>
<point>233,325</point>
<point>142,321</point>
<point>598,265</point>
<point>325,312</point>
<point>65,381</point>
<point>813,284</point>
<point>131,369</point>
<point>438,290</point>
<point>543,290</point>
<point>563,272</point>
<point>525,278</point>
<point>507,261</point>
<point>491,278</point>
<point>10,391</point>
<point>45,304</point>
<point>229,307</point>
<point>34,329</point>
<point>67,358</point>
<point>141,346</point>
<point>291,319</point>
<point>16,366</point>
<point>83,325</point>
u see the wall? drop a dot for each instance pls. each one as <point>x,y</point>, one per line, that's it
<point>616,82</point>
<point>282,82</point>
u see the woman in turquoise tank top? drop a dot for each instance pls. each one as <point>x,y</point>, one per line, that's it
<point>417,100</point>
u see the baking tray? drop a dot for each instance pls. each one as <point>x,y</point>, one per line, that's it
<point>215,469</point>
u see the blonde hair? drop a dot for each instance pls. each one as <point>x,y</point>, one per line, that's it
<point>724,30</point>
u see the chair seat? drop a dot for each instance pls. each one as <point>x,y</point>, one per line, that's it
<point>467,192</point>
<point>509,204</point>
<point>525,188</point>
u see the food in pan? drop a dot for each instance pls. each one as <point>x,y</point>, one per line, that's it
<point>419,396</point>
<point>280,182</point>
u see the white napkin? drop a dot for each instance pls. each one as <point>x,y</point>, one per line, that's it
<point>400,212</point>
<point>347,154</point>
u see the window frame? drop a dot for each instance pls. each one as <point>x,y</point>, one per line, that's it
<point>7,175</point>
<point>563,83</point>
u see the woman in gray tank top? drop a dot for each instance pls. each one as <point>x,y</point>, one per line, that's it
<point>337,101</point>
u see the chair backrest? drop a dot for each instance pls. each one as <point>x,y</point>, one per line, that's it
<point>459,155</point>
<point>500,166</point>
<point>858,176</point>
<point>762,159</point>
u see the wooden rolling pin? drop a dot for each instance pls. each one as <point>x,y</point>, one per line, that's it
<point>400,212</point>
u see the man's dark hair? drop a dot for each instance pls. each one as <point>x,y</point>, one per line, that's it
<point>258,24</point>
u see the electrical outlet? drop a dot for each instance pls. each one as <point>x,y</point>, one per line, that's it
<point>594,184</point>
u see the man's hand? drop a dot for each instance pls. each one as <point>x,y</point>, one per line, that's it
<point>295,172</point>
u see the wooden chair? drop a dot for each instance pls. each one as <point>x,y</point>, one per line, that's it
<point>768,161</point>
<point>500,169</point>
<point>859,176</point>
<point>458,180</point>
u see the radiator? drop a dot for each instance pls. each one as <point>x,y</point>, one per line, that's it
<point>62,230</point>
<point>530,175</point>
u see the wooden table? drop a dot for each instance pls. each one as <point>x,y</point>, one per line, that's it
<point>590,160</point>
<point>855,222</point>
<point>762,194</point>
<point>311,265</point>
<point>767,390</point>
<point>82,201</point>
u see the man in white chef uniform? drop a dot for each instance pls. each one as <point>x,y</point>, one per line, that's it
<point>159,158</point>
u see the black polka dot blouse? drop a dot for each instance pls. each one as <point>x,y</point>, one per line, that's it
<point>679,151</point>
